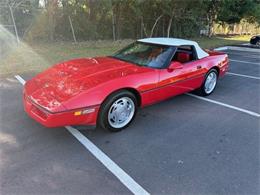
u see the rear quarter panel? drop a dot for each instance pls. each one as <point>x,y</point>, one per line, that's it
<point>217,60</point>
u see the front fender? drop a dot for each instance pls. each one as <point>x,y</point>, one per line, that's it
<point>96,95</point>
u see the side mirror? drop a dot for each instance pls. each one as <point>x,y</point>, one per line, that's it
<point>175,66</point>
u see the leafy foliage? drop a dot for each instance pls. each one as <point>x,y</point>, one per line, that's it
<point>121,19</point>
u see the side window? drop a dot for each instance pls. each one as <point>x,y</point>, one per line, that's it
<point>185,53</point>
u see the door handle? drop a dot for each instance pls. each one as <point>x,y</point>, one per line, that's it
<point>199,67</point>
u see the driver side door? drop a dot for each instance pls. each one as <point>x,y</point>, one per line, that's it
<point>187,77</point>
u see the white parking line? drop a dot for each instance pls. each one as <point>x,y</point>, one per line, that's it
<point>246,62</point>
<point>20,79</point>
<point>221,48</point>
<point>243,75</point>
<point>128,181</point>
<point>233,48</point>
<point>243,49</point>
<point>255,56</point>
<point>225,105</point>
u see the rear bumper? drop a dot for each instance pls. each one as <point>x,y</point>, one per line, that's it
<point>223,68</point>
<point>59,119</point>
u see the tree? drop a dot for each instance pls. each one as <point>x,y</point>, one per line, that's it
<point>212,7</point>
<point>236,9</point>
<point>253,15</point>
<point>52,6</point>
<point>120,19</point>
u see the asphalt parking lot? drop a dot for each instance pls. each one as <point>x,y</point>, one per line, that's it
<point>184,145</point>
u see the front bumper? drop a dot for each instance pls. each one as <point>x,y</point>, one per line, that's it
<point>59,119</point>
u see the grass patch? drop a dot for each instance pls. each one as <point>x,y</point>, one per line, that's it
<point>210,43</point>
<point>39,56</point>
<point>35,57</point>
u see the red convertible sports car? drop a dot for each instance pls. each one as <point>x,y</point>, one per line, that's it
<point>108,90</point>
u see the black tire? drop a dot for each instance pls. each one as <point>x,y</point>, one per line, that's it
<point>103,113</point>
<point>258,43</point>
<point>201,91</point>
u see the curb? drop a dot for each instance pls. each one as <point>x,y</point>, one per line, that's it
<point>237,48</point>
<point>221,48</point>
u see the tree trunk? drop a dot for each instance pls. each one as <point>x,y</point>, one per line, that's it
<point>141,28</point>
<point>144,29</point>
<point>211,26</point>
<point>36,3</point>
<point>212,16</point>
<point>163,28</point>
<point>154,25</point>
<point>51,10</point>
<point>169,26</point>
<point>113,26</point>
<point>118,20</point>
<point>92,14</point>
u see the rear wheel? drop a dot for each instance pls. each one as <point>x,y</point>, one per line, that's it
<point>118,111</point>
<point>209,83</point>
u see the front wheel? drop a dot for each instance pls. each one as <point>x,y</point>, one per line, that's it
<point>118,111</point>
<point>209,83</point>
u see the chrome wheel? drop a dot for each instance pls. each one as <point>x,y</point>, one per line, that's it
<point>121,112</point>
<point>210,82</point>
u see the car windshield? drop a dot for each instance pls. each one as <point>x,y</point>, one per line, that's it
<point>144,54</point>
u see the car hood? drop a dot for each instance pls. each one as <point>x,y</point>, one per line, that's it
<point>51,88</point>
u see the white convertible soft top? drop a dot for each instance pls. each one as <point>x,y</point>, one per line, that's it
<point>176,42</point>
